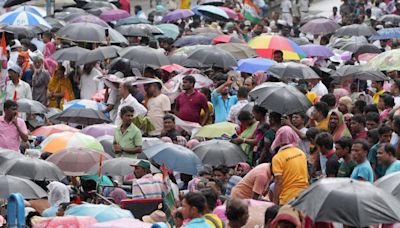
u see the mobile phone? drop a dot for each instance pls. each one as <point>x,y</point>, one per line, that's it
<point>106,32</point>
<point>234,136</point>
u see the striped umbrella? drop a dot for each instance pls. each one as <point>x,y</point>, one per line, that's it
<point>265,45</point>
<point>23,18</point>
<point>83,103</point>
<point>32,9</point>
<point>61,141</point>
<point>46,131</point>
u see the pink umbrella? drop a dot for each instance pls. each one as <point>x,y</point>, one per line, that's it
<point>98,130</point>
<point>122,223</point>
<point>173,67</point>
<point>231,13</point>
<point>366,56</point>
<point>114,15</point>
<point>67,221</point>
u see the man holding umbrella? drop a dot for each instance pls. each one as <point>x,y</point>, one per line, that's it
<point>12,128</point>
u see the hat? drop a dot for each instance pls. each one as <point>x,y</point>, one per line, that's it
<point>15,68</point>
<point>289,214</point>
<point>155,217</point>
<point>17,44</point>
<point>142,163</point>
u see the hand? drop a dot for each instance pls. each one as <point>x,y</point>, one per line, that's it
<point>229,80</point>
<point>237,140</point>
<point>285,121</point>
<point>15,121</point>
<point>117,148</point>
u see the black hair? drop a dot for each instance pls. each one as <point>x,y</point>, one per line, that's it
<point>242,92</point>
<point>169,117</point>
<point>271,213</point>
<point>10,104</point>
<point>359,119</point>
<point>211,198</point>
<point>322,107</point>
<point>303,115</point>
<point>275,117</point>
<point>190,79</point>
<point>126,109</point>
<point>329,99</point>
<point>207,92</point>
<point>370,108</point>
<point>278,52</point>
<point>312,132</point>
<point>373,135</point>
<point>197,200</point>
<point>138,7</point>
<point>363,143</point>
<point>235,210</point>
<point>222,168</point>
<point>384,129</point>
<point>345,142</point>
<point>389,148</point>
<point>244,115</point>
<point>388,100</point>
<point>179,215</point>
<point>260,110</point>
<point>397,83</point>
<point>360,105</point>
<point>325,140</point>
<point>48,34</point>
<point>372,116</point>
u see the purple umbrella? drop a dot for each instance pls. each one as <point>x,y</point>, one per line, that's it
<point>98,130</point>
<point>114,15</point>
<point>88,19</point>
<point>177,15</point>
<point>193,40</point>
<point>320,26</point>
<point>316,50</point>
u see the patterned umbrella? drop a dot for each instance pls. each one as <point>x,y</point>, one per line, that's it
<point>83,103</point>
<point>177,15</point>
<point>23,18</point>
<point>46,131</point>
<point>114,15</point>
<point>386,61</point>
<point>32,9</point>
<point>98,130</point>
<point>88,19</point>
<point>60,141</point>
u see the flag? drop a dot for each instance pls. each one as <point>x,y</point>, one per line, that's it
<point>168,195</point>
<point>3,44</point>
<point>251,11</point>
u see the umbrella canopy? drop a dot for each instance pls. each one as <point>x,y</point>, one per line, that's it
<point>390,184</point>
<point>280,97</point>
<point>84,103</point>
<point>217,130</point>
<point>315,50</point>
<point>90,33</point>
<point>67,221</point>
<point>88,19</point>
<point>300,40</point>
<point>353,199</point>
<point>201,81</point>
<point>27,188</point>
<point>348,72</point>
<point>99,54</point>
<point>139,30</point>
<point>386,61</point>
<point>122,223</point>
<point>355,30</point>
<point>31,106</point>
<point>98,130</point>
<point>177,15</point>
<point>292,70</point>
<point>107,142</point>
<point>320,26</point>
<point>387,34</point>
<point>213,12</point>
<point>76,161</point>
<point>32,168</point>
<point>132,20</point>
<point>230,12</point>
<point>252,65</point>
<point>46,131</point>
<point>358,49</point>
<point>61,141</point>
<point>69,54</point>
<point>54,22</point>
<point>393,18</point>
<point>265,45</point>
<point>23,18</point>
<point>213,57</point>
<point>145,55</point>
<point>169,30</point>
<point>202,30</point>
<point>22,30</point>
<point>10,3</point>
<point>99,4</point>
<point>219,152</point>
<point>238,50</point>
<point>226,39</point>
<point>32,9</point>
<point>181,59</point>
<point>173,68</point>
<point>193,40</point>
<point>117,167</point>
<point>6,154</point>
<point>83,116</point>
<point>172,156</point>
<point>100,212</point>
<point>103,180</point>
<point>114,15</point>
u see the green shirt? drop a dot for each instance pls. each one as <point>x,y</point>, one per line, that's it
<point>131,138</point>
<point>346,168</point>
<point>380,169</point>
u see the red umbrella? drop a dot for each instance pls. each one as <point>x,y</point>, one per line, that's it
<point>227,39</point>
<point>173,67</point>
<point>67,221</point>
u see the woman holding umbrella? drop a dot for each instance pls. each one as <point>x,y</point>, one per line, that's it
<point>247,139</point>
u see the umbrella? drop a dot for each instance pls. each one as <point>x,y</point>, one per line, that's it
<point>252,65</point>
<point>76,161</point>
<point>387,34</point>
<point>73,10</point>
<point>10,3</point>
<point>98,11</point>
<point>217,130</point>
<point>67,221</point>
<point>31,106</point>
<point>6,154</point>
<point>320,26</point>
<point>139,30</point>
<point>88,19</point>
<point>227,39</point>
<point>213,2</point>
<point>393,18</point>
<point>90,33</point>
<point>202,30</point>
<point>265,46</point>
<point>32,168</point>
<point>280,97</point>
<point>27,188</point>
<point>100,212</point>
<point>347,72</point>
<point>355,30</point>
<point>107,142</point>
<point>145,55</point>
<point>83,116</point>
<point>169,30</point>
<point>292,70</point>
<point>61,141</point>
<point>173,67</point>
<point>315,50</point>
<point>22,30</point>
<point>300,40</point>
<point>213,57</point>
<point>390,184</point>
<point>99,4</point>
<point>175,83</point>
<point>57,4</point>
<point>386,61</point>
<point>230,12</point>
<point>193,40</point>
<point>177,15</point>
<point>84,103</point>
<point>98,130</point>
<point>172,156</point>
<point>213,12</point>
<point>114,15</point>
<point>103,181</point>
<point>117,167</point>
<point>69,54</point>
<point>132,20</point>
<point>98,54</point>
<point>349,202</point>
<point>238,50</point>
<point>219,152</point>
<point>181,59</point>
<point>23,18</point>
<point>54,22</point>
<point>122,223</point>
<point>32,9</point>
<point>46,131</point>
<point>358,49</point>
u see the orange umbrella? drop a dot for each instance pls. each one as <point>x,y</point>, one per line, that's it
<point>49,130</point>
<point>61,141</point>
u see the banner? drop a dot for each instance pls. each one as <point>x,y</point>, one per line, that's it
<point>251,11</point>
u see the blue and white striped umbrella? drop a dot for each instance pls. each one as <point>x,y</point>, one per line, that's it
<point>23,18</point>
<point>82,103</point>
<point>32,9</point>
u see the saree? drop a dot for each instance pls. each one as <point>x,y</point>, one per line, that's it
<point>248,134</point>
<point>58,85</point>
<point>341,130</point>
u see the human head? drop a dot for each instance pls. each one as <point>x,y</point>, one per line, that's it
<point>62,208</point>
<point>329,99</point>
<point>250,83</point>
<point>386,154</point>
<point>142,167</point>
<point>278,56</point>
<point>299,119</point>
<point>320,112</point>
<point>324,142</point>
<point>118,194</point>
<point>242,93</point>
<point>188,82</point>
<point>221,172</point>
<point>334,10</point>
<point>378,85</point>
<point>211,199</point>
<point>124,89</point>
<point>372,120</point>
<point>385,133</point>
<point>137,9</point>
<point>169,122</point>
<point>270,214</point>
<point>312,133</point>
<point>275,119</point>
<point>224,90</point>
<point>38,62</point>
<point>259,112</point>
<point>13,72</point>
<point>370,108</point>
<point>47,36</point>
<point>287,217</point>
<point>345,104</point>
<point>242,169</point>
<point>126,114</point>
<point>359,150</point>
<point>357,124</point>
<point>153,88</point>
<point>10,109</point>
<point>284,136</point>
<point>237,211</point>
<point>60,72</point>
<point>358,107</point>
<point>334,120</point>
<point>395,87</point>
<point>372,137</point>
<point>387,101</point>
<point>343,146</point>
<point>193,205</point>
<point>245,118</point>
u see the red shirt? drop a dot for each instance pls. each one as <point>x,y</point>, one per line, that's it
<point>189,106</point>
<point>125,5</point>
<point>361,135</point>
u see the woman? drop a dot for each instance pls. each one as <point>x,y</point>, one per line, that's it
<point>58,194</point>
<point>60,89</point>
<point>345,105</point>
<point>247,138</point>
<point>336,125</point>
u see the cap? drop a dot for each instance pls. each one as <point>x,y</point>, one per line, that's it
<point>155,217</point>
<point>142,163</point>
<point>15,68</point>
<point>17,44</point>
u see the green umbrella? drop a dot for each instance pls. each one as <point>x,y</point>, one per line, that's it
<point>105,180</point>
<point>386,61</point>
<point>170,30</point>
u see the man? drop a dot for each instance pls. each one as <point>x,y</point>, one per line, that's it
<point>158,105</point>
<point>40,81</point>
<point>139,12</point>
<point>316,86</point>
<point>127,137</point>
<point>211,203</point>
<point>145,186</point>
<point>193,206</point>
<point>249,83</point>
<point>26,71</point>
<point>16,88</point>
<point>319,116</point>
<point>221,173</point>
<point>286,8</point>
<point>363,171</point>
<point>169,127</point>
<point>303,7</point>
<point>297,122</point>
<point>385,134</point>
<point>378,85</point>
<point>189,104</point>
<point>15,47</point>
<point>345,9</point>
<point>222,101</point>
<point>343,151</point>
<point>278,56</point>
<point>386,156</point>
<point>330,100</point>
<point>329,160</point>
<point>372,120</point>
<point>12,128</point>
<point>395,91</point>
<point>242,96</point>
<point>89,84</point>
<point>357,127</point>
<point>128,100</point>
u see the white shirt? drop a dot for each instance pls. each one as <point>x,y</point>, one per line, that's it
<point>337,18</point>
<point>376,12</point>
<point>235,110</point>
<point>286,5</point>
<point>130,101</point>
<point>23,90</point>
<point>89,85</point>
<point>320,89</point>
<point>304,5</point>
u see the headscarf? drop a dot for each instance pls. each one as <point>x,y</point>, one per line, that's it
<point>339,93</point>
<point>285,135</point>
<point>192,143</point>
<point>341,129</point>
<point>246,167</point>
<point>287,213</point>
<point>118,194</point>
<point>25,65</point>
<point>346,100</point>
<point>58,193</point>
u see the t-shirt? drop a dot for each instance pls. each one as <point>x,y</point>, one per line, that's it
<point>394,167</point>
<point>346,168</point>
<point>380,168</point>
<point>363,170</point>
<point>221,106</point>
<point>332,164</point>
<point>291,164</point>
<point>255,181</point>
<point>156,109</point>
<point>189,106</point>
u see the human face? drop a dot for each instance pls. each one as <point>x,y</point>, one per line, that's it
<point>257,116</point>
<point>381,104</point>
<point>10,113</point>
<point>315,114</point>
<point>127,118</point>
<point>278,57</point>
<point>187,210</point>
<point>219,176</point>
<point>371,124</point>
<point>38,64</point>
<point>385,138</point>
<point>20,60</point>
<point>225,90</point>
<point>342,108</point>
<point>187,85</point>
<point>340,151</point>
<point>149,88</point>
<point>355,127</point>
<point>333,121</point>
<point>139,172</point>
<point>122,90</point>
<point>248,83</point>
<point>394,90</point>
<point>382,156</point>
<point>12,75</point>
<point>358,154</point>
<point>297,120</point>
<point>169,124</point>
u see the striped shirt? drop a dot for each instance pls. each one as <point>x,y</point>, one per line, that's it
<point>146,187</point>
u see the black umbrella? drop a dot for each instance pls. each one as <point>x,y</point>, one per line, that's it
<point>145,55</point>
<point>10,3</point>
<point>100,53</point>
<point>31,106</point>
<point>292,70</point>
<point>213,57</point>
<point>22,30</point>
<point>393,18</point>
<point>219,152</point>
<point>280,97</point>
<point>347,72</point>
<point>390,183</point>
<point>83,116</point>
<point>27,188</point>
<point>181,59</point>
<point>6,154</point>
<point>358,49</point>
<point>54,22</point>
<point>70,54</point>
<point>139,30</point>
<point>356,30</point>
<point>193,40</point>
<point>99,4</point>
<point>117,167</point>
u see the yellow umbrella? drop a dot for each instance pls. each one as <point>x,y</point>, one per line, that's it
<point>217,130</point>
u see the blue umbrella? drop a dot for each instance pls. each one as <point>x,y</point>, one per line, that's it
<point>252,65</point>
<point>387,34</point>
<point>32,9</point>
<point>100,212</point>
<point>23,18</point>
<point>175,157</point>
<point>169,30</point>
<point>82,103</point>
<point>212,12</point>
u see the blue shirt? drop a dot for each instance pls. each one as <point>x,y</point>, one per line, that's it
<point>50,212</point>
<point>197,223</point>
<point>363,170</point>
<point>394,167</point>
<point>221,106</point>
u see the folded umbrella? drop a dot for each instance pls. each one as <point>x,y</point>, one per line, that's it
<point>100,212</point>
<point>213,57</point>
<point>31,106</point>
<point>219,152</point>
<point>46,131</point>
<point>67,221</point>
<point>60,141</point>
<point>117,167</point>
<point>315,50</point>
<point>145,55</point>
<point>177,15</point>
<point>238,50</point>
<point>217,130</point>
<point>88,19</point>
<point>132,20</point>
<point>292,70</point>
<point>355,30</point>
<point>83,116</point>
<point>320,26</point>
<point>114,15</point>
<point>69,54</point>
<point>193,40</point>
<point>28,189</point>
<point>98,130</point>
<point>390,184</point>
<point>252,65</point>
<point>386,34</point>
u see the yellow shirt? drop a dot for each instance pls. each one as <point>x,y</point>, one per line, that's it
<point>185,4</point>
<point>323,124</point>
<point>291,164</point>
<point>376,96</point>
